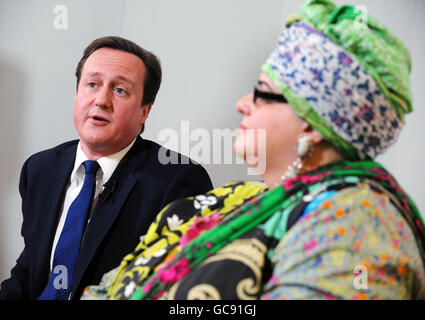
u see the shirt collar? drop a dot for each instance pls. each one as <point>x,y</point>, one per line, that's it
<point>108,164</point>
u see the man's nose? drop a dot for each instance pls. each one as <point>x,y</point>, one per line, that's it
<point>103,98</point>
<point>244,104</point>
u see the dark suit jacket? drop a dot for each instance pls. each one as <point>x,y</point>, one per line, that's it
<point>143,186</point>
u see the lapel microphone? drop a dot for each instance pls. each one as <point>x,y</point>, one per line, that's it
<point>110,187</point>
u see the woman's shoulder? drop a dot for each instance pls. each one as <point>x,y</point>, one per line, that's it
<point>359,212</point>
<point>346,228</point>
<point>360,201</point>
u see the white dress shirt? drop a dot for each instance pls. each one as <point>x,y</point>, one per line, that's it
<point>107,165</point>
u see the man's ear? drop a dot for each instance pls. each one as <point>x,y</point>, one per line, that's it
<point>145,112</point>
<point>316,137</point>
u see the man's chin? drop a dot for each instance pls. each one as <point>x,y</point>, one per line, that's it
<point>95,145</point>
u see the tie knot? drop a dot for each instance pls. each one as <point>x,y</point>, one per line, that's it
<point>91,166</point>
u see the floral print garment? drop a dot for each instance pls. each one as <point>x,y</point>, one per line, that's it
<point>178,223</point>
<point>338,232</point>
<point>344,231</point>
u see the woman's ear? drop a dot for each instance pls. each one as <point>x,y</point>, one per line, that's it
<point>316,136</point>
<point>308,130</point>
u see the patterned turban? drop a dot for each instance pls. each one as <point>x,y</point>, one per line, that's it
<point>346,75</point>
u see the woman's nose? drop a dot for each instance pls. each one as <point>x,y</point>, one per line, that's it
<point>243,105</point>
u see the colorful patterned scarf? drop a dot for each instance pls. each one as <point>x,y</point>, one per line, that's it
<point>211,234</point>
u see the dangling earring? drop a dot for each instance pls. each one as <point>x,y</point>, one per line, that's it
<point>304,150</point>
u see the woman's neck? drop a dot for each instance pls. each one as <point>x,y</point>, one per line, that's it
<point>322,154</point>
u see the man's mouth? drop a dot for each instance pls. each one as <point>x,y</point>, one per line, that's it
<point>97,118</point>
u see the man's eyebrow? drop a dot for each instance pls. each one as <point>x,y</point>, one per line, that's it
<point>261,82</point>
<point>126,80</point>
<point>122,78</point>
<point>90,74</point>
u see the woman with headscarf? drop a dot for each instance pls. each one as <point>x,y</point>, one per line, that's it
<point>329,222</point>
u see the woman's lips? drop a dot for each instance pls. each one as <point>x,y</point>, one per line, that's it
<point>242,127</point>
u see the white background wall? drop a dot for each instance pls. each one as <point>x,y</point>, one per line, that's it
<point>211,53</point>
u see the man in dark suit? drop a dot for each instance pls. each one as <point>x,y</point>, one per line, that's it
<point>117,82</point>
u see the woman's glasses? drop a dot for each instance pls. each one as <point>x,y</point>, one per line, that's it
<point>268,96</point>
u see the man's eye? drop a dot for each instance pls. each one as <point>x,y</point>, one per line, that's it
<point>91,85</point>
<point>120,91</point>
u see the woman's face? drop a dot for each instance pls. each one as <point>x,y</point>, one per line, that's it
<point>269,129</point>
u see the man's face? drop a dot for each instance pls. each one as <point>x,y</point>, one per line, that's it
<point>108,112</point>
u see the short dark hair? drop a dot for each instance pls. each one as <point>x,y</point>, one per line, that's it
<point>153,73</point>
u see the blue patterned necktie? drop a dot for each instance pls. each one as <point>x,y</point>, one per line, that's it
<point>68,246</point>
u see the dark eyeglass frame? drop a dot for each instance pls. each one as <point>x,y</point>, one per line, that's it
<point>268,96</point>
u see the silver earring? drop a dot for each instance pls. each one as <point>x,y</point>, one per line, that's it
<point>304,150</point>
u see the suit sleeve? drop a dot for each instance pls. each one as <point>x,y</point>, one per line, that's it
<point>16,287</point>
<point>190,181</point>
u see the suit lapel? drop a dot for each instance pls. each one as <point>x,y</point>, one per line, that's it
<point>106,211</point>
<point>53,186</point>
